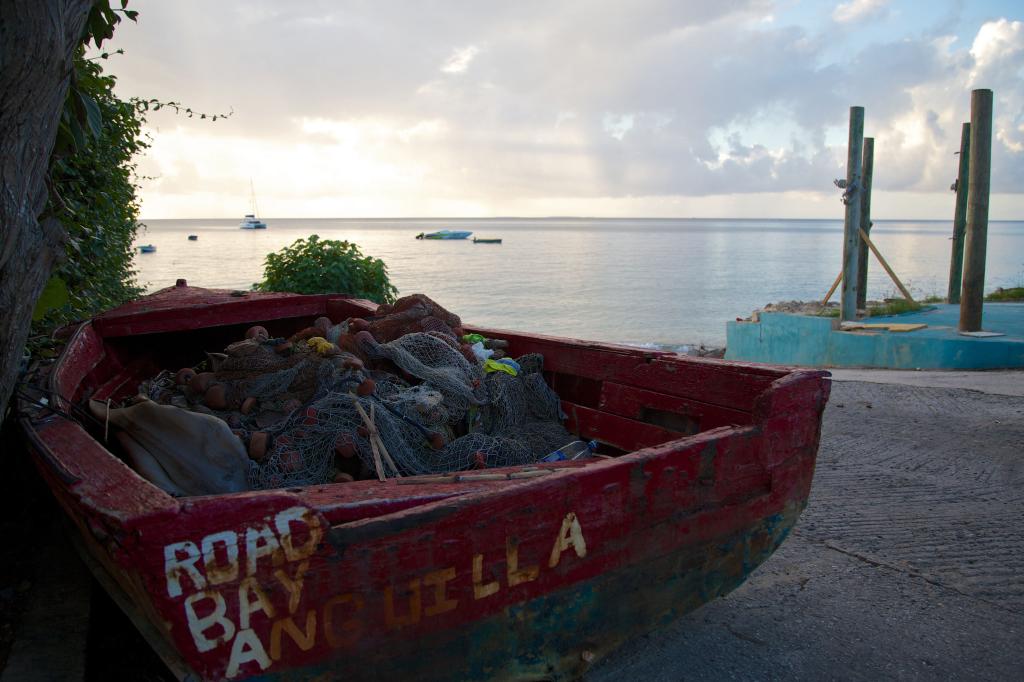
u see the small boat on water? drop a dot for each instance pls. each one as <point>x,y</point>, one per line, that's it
<point>147,248</point>
<point>250,221</point>
<point>193,237</point>
<point>478,240</point>
<point>444,234</point>
<point>516,572</point>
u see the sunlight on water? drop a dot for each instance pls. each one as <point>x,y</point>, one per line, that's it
<point>631,281</point>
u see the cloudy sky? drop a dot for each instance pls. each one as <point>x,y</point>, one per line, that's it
<point>674,108</point>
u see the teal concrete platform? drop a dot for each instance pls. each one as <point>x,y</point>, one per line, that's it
<point>785,339</point>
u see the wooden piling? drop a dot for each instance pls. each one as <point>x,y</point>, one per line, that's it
<point>851,223</point>
<point>867,172</point>
<point>956,261</point>
<point>975,247</point>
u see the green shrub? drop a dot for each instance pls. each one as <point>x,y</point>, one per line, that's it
<point>894,306</point>
<point>324,266</point>
<point>92,192</point>
<point>1011,294</point>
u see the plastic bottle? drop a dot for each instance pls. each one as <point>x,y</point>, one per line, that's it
<point>577,449</point>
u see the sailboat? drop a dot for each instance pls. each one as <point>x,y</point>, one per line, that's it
<point>250,221</point>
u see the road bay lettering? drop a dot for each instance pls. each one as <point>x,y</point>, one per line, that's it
<point>224,599</point>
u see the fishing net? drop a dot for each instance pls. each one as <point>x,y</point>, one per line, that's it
<point>399,394</point>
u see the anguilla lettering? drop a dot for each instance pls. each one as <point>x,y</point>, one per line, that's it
<point>244,590</point>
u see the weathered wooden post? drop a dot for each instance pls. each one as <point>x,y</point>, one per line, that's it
<point>865,222</point>
<point>851,223</point>
<point>972,298</point>
<point>956,261</point>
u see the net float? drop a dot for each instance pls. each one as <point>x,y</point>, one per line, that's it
<point>345,448</point>
<point>257,332</point>
<point>184,376</point>
<point>201,382</point>
<point>259,442</point>
<point>366,387</point>
<point>291,461</point>
<point>216,397</point>
<point>249,404</point>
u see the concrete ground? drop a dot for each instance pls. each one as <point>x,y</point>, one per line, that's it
<point>908,563</point>
<point>997,382</point>
<point>1003,318</point>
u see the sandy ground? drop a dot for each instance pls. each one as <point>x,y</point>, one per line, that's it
<point>908,563</point>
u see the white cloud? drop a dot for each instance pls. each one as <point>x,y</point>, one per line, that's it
<point>858,10</point>
<point>663,103</point>
<point>997,40</point>
<point>459,61</point>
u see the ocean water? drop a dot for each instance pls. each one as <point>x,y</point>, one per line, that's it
<point>670,283</point>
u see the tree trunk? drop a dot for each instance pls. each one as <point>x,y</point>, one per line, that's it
<point>37,43</point>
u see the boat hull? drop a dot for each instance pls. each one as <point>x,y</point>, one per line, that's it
<point>484,579</point>
<point>447,234</point>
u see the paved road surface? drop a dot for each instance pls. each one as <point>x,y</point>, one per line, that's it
<point>907,564</point>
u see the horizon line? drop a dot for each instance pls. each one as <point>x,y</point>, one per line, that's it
<point>568,217</point>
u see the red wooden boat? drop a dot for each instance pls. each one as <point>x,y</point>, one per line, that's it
<point>498,575</point>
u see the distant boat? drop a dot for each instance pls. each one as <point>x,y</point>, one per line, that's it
<point>250,221</point>
<point>147,248</point>
<point>477,240</point>
<point>193,237</point>
<point>444,234</point>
